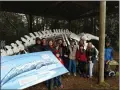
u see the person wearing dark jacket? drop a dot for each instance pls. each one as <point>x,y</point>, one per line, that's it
<point>44,45</point>
<point>82,60</point>
<point>91,58</point>
<point>65,55</point>
<point>37,47</point>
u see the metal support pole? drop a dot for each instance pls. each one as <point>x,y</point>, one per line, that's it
<point>102,40</point>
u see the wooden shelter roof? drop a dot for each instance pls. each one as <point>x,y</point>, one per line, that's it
<point>68,10</point>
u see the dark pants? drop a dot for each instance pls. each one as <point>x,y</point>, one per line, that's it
<point>57,81</point>
<point>49,84</point>
<point>106,66</point>
<point>66,62</point>
<point>106,69</point>
<point>82,67</point>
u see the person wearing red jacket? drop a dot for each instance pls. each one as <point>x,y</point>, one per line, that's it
<point>82,60</point>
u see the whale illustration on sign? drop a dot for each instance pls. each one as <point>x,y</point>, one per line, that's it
<point>24,68</point>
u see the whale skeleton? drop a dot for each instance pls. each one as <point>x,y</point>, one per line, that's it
<point>29,40</point>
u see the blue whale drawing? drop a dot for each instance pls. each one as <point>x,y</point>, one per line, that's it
<point>24,68</point>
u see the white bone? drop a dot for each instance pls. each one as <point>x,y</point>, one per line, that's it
<point>40,35</point>
<point>20,45</point>
<point>37,35</point>
<point>3,52</point>
<point>15,48</point>
<point>27,43</point>
<point>27,37</point>
<point>32,35</point>
<point>9,50</point>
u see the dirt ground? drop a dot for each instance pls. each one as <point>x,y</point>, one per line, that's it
<point>80,83</point>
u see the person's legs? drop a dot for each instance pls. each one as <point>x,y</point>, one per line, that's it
<point>105,69</point>
<point>74,67</point>
<point>79,66</point>
<point>84,69</point>
<point>64,61</point>
<point>90,68</point>
<point>47,83</point>
<point>67,63</point>
<point>70,65</point>
<point>93,69</point>
<point>55,82</point>
<point>59,81</point>
<point>50,84</point>
<point>94,61</point>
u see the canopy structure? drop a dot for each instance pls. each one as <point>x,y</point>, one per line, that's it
<point>68,10</point>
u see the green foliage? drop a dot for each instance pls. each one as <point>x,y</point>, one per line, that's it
<point>11,26</point>
<point>112,29</point>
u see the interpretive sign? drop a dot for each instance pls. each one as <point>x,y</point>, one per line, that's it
<point>25,70</point>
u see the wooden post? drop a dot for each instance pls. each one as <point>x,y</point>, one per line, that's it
<point>102,40</point>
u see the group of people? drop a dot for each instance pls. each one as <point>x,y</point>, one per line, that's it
<point>71,56</point>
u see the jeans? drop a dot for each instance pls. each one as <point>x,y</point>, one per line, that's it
<point>72,66</point>
<point>57,81</point>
